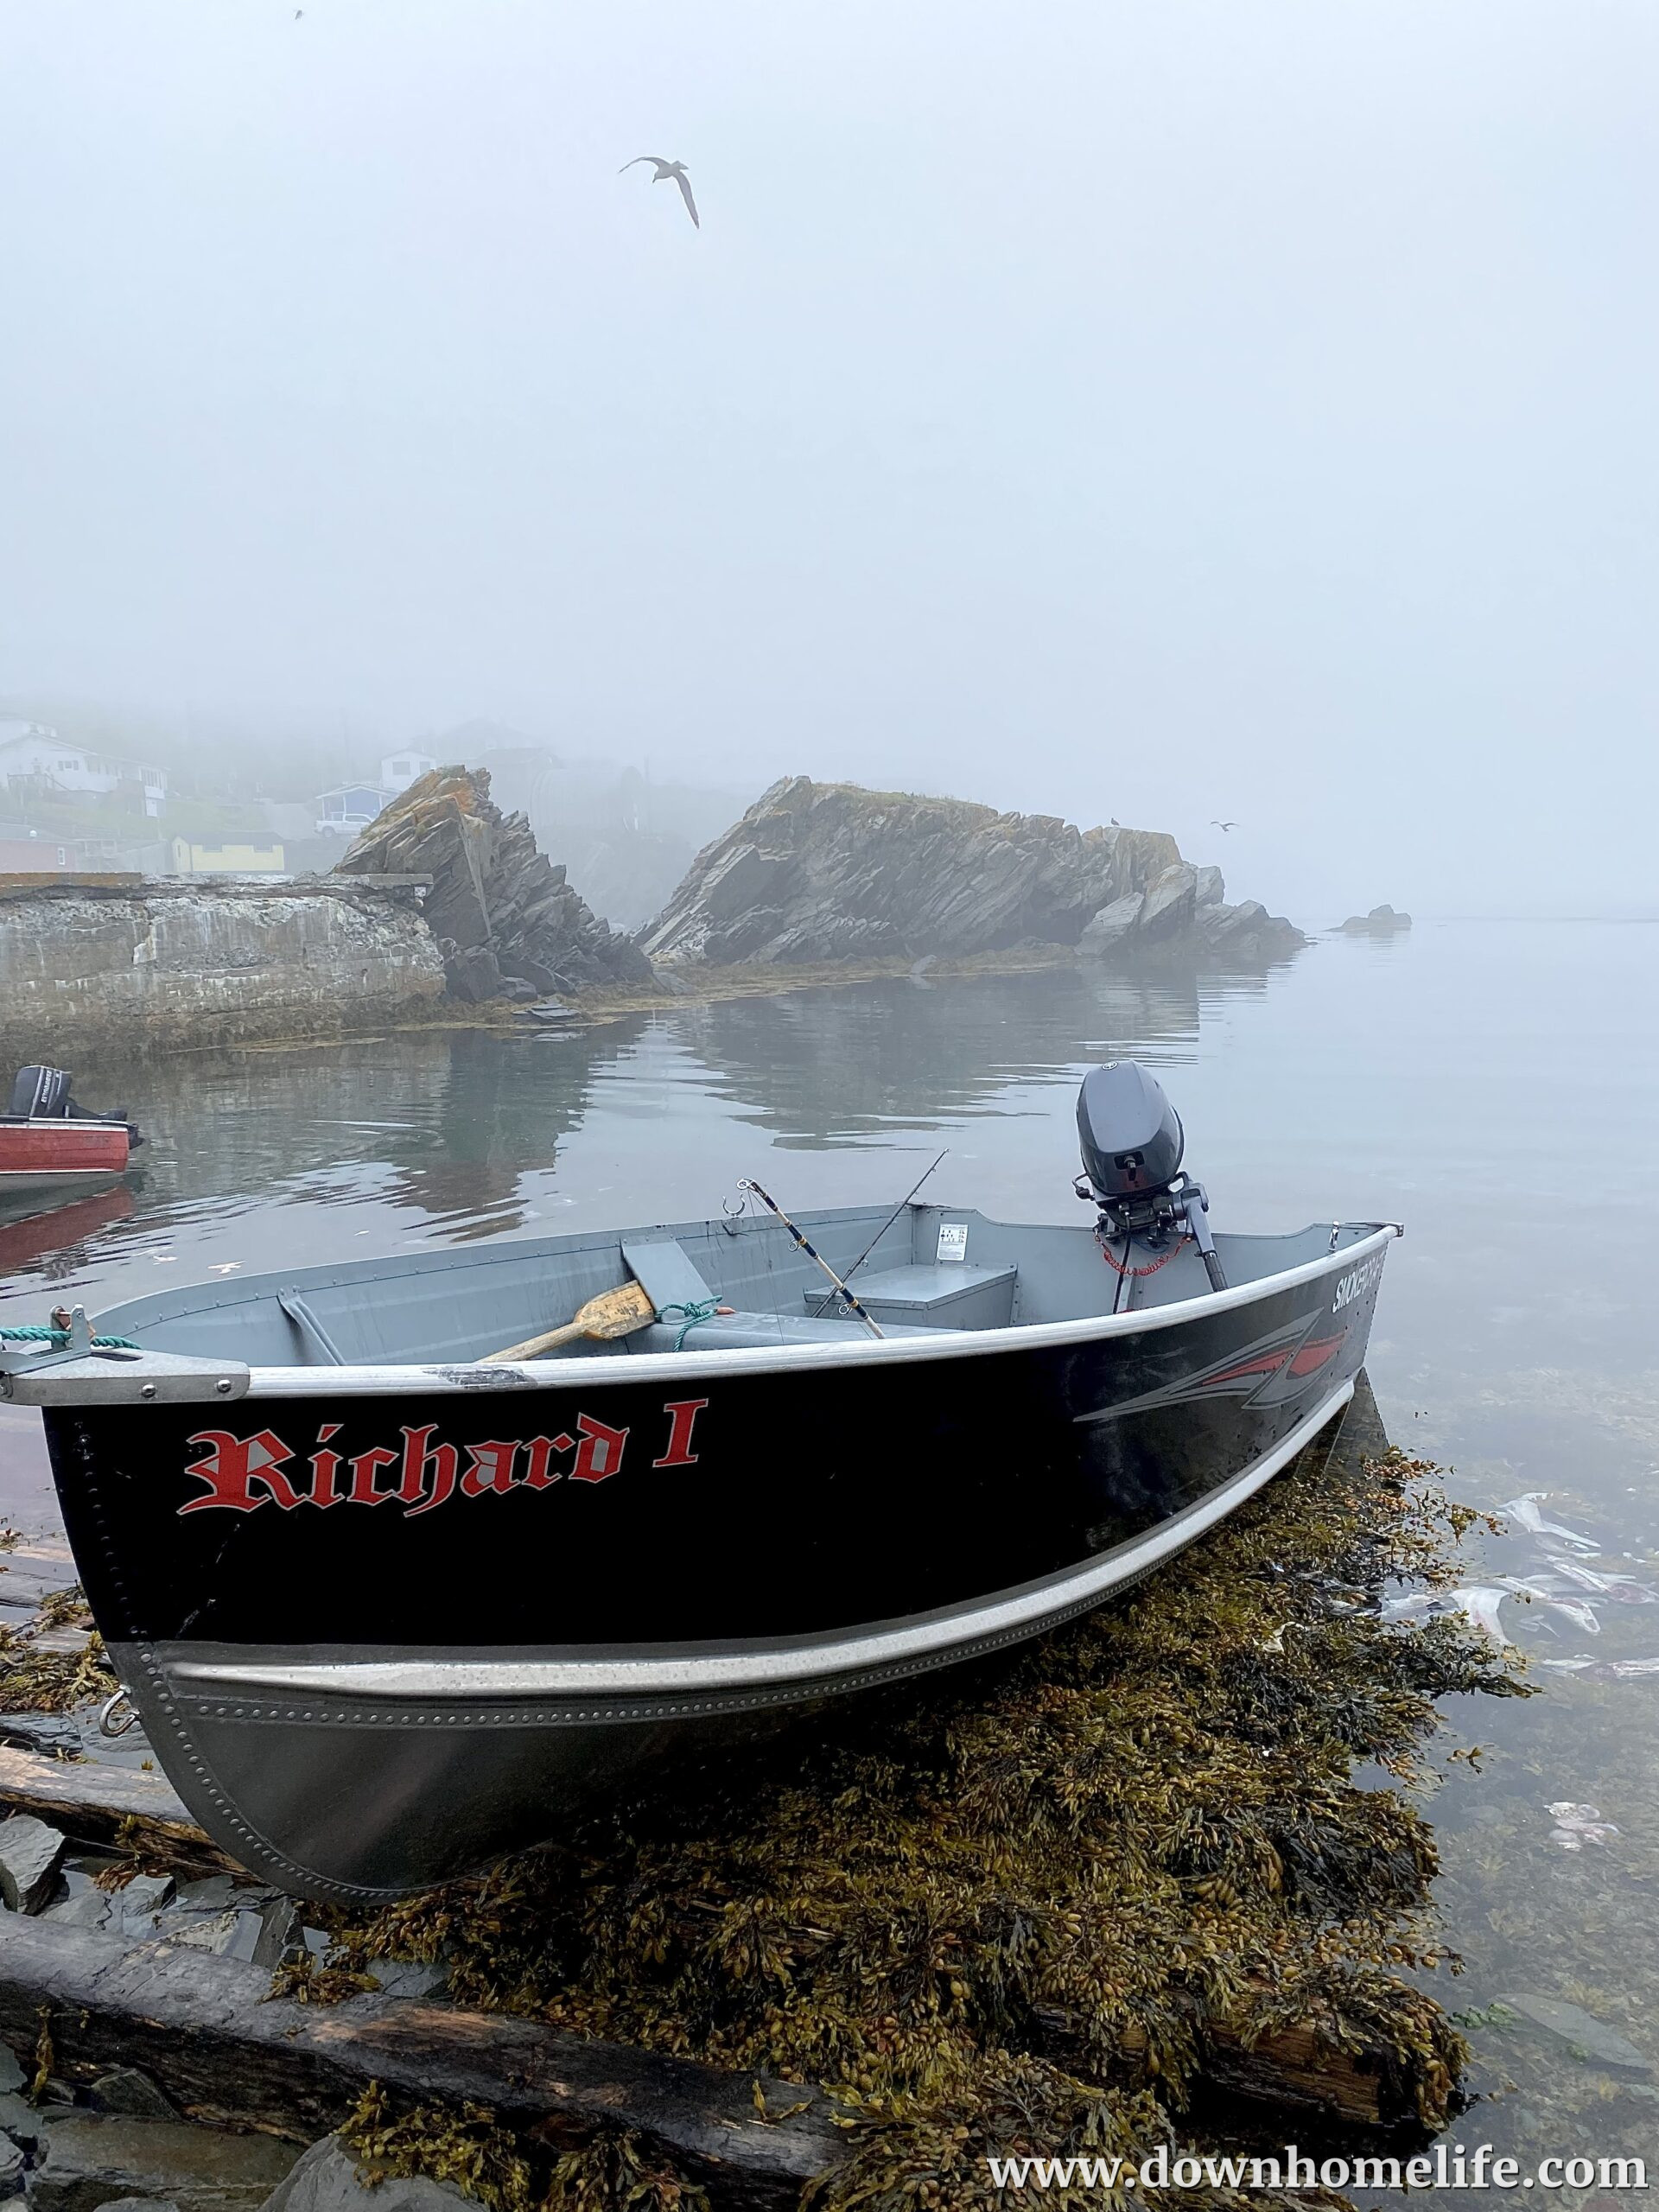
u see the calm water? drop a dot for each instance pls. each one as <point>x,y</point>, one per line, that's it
<point>1494,1086</point>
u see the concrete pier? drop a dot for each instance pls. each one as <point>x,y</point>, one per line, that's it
<point>128,964</point>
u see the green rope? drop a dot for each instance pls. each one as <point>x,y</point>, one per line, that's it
<point>59,1337</point>
<point>703,1310</point>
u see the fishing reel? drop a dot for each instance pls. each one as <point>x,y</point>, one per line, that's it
<point>1132,1143</point>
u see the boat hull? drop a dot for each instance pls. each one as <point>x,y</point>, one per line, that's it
<point>377,1638</point>
<point>50,1160</point>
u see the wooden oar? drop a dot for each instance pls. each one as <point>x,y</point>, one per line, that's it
<point>612,1313</point>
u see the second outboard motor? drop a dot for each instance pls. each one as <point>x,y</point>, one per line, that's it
<point>42,1094</point>
<point>1132,1143</point>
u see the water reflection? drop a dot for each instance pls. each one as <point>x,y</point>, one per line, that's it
<point>52,1241</point>
<point>832,1067</point>
<point>843,1066</point>
<point>445,1123</point>
<point>461,1135</point>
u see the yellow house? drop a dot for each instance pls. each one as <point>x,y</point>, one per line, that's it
<point>236,859</point>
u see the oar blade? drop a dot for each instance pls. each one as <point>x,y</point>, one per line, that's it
<point>612,1313</point>
<point>616,1313</point>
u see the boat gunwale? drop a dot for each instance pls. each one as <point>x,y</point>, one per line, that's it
<point>472,1377</point>
<point>57,1122</point>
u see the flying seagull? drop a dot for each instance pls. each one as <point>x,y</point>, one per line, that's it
<point>1222,825</point>
<point>664,170</point>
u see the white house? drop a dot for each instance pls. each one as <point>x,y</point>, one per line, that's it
<point>35,762</point>
<point>399,770</point>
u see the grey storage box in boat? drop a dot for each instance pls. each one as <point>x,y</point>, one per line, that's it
<point>946,1295</point>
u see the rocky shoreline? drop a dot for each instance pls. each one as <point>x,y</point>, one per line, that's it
<point>702,985</point>
<point>445,911</point>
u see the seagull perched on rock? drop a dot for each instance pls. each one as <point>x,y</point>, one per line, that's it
<point>664,170</point>
<point>1223,825</point>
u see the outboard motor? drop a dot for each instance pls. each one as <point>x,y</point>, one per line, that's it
<point>1132,1143</point>
<point>44,1095</point>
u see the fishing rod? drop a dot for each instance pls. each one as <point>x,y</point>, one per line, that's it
<point>885,1227</point>
<point>748,1183</point>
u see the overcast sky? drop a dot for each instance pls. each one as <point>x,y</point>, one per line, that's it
<point>1165,411</point>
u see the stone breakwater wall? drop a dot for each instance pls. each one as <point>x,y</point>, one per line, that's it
<point>128,966</point>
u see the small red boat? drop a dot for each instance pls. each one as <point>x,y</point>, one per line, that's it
<point>51,1149</point>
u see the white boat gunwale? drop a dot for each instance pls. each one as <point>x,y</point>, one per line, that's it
<point>79,1132</point>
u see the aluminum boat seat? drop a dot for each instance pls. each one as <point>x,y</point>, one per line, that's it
<point>742,1332</point>
<point>678,1288</point>
<point>948,1294</point>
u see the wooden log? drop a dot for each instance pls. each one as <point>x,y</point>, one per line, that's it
<point>204,2029</point>
<point>104,1805</point>
<point>1292,2070</point>
<point>1295,2070</point>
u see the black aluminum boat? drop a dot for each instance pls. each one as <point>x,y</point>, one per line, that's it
<point>387,1610</point>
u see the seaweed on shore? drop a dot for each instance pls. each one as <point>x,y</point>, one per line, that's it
<point>1033,1907</point>
<point>464,2147</point>
<point>33,1680</point>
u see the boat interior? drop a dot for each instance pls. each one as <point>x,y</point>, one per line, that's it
<point>926,1269</point>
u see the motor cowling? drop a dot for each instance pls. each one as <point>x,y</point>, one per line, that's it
<point>1130,1135</point>
<point>42,1094</point>
<point>1132,1143</point>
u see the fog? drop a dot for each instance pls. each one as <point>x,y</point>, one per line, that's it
<point>1161,412</point>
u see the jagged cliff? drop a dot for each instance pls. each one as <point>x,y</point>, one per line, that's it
<point>825,872</point>
<point>505,919</point>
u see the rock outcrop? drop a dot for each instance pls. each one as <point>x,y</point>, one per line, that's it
<point>507,922</point>
<point>1378,923</point>
<point>829,872</point>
